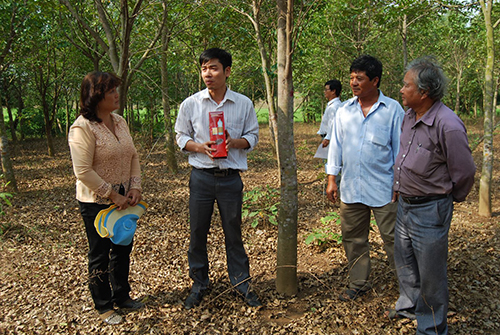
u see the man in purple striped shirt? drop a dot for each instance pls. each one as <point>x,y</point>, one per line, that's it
<point>434,167</point>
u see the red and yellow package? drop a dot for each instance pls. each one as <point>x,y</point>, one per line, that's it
<point>218,134</point>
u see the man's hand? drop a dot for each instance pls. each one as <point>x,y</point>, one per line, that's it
<point>325,142</point>
<point>202,148</point>
<point>237,143</point>
<point>331,189</point>
<point>395,196</point>
<point>206,148</point>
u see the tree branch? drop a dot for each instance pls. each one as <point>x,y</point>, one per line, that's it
<point>496,24</point>
<point>92,32</point>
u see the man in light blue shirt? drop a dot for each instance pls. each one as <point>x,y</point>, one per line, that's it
<point>364,145</point>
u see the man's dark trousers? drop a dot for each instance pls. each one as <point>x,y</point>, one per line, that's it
<point>206,188</point>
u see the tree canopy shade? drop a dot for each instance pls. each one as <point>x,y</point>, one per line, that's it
<point>13,14</point>
<point>46,47</point>
<point>117,42</point>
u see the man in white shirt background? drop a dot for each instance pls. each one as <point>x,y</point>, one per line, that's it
<point>333,88</point>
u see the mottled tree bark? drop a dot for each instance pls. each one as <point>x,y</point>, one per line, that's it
<point>489,90</point>
<point>286,274</point>
<point>7,169</point>
<point>169,132</point>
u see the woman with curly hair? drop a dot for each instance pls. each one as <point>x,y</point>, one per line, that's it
<point>107,169</point>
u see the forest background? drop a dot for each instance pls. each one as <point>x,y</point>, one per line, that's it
<point>46,47</point>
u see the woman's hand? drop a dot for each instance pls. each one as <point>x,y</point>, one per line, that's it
<point>134,197</point>
<point>119,200</point>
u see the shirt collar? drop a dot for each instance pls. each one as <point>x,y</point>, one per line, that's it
<point>230,95</point>
<point>429,117</point>
<point>332,101</point>
<point>382,99</point>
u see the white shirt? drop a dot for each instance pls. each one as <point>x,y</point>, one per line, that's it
<point>325,127</point>
<point>240,121</point>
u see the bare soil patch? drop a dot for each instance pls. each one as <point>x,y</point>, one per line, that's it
<point>43,263</point>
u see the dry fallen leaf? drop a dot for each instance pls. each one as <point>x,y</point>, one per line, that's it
<point>43,262</point>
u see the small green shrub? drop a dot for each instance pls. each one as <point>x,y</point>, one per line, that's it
<point>260,205</point>
<point>4,200</point>
<point>326,234</point>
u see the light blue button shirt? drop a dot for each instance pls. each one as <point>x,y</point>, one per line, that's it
<point>365,149</point>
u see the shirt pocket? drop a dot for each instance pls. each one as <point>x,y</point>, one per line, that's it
<point>234,127</point>
<point>379,135</point>
<point>420,161</point>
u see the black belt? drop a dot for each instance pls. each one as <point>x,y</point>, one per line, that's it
<point>220,172</point>
<point>423,200</point>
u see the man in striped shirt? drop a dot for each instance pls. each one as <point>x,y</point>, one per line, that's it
<point>217,179</point>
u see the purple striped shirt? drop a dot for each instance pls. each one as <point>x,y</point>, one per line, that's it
<point>434,155</point>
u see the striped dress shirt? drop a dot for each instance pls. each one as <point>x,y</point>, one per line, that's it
<point>240,121</point>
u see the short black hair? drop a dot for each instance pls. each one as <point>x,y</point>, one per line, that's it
<point>223,56</point>
<point>334,85</point>
<point>368,64</point>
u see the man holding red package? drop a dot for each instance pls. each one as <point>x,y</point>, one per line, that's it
<point>217,127</point>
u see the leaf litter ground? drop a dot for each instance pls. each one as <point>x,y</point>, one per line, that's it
<point>43,264</point>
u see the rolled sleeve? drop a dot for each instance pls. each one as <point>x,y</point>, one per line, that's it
<point>251,130</point>
<point>182,141</point>
<point>396,132</point>
<point>334,160</point>
<point>183,127</point>
<point>135,173</point>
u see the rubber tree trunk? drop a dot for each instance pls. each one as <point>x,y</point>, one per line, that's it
<point>7,168</point>
<point>489,90</point>
<point>286,274</point>
<point>169,132</point>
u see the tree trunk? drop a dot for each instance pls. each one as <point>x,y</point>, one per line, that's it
<point>266,69</point>
<point>48,131</point>
<point>11,121</point>
<point>487,168</point>
<point>165,99</point>
<point>7,169</point>
<point>118,40</point>
<point>286,274</point>
<point>68,109</point>
<point>20,112</point>
<point>457,97</point>
<point>495,102</point>
<point>404,36</point>
<point>152,112</point>
<point>6,87</point>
